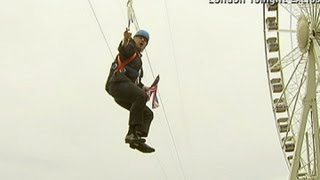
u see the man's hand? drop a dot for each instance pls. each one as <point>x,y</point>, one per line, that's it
<point>146,89</point>
<point>127,35</point>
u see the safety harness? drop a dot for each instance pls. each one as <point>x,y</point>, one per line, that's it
<point>121,65</point>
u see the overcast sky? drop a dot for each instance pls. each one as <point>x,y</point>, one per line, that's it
<point>57,122</point>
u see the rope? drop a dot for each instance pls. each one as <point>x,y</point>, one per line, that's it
<point>101,30</point>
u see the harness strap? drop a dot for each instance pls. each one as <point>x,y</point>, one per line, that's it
<point>122,65</point>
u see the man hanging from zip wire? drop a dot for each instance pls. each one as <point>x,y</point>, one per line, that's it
<point>125,86</point>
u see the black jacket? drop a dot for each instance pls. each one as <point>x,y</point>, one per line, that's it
<point>134,71</point>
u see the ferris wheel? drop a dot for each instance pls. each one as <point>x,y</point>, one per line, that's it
<point>292,50</point>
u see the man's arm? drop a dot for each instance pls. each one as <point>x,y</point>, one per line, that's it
<point>127,46</point>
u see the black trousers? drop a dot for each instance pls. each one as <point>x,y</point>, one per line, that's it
<point>131,97</point>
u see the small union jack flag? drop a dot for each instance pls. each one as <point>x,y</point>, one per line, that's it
<point>153,93</point>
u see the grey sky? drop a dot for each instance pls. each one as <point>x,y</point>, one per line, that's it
<point>57,122</point>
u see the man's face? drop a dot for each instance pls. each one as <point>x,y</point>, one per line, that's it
<point>141,42</point>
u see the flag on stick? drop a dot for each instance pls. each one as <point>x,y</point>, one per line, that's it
<point>153,93</point>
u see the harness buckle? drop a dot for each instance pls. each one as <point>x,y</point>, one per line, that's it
<point>114,66</point>
<point>122,70</point>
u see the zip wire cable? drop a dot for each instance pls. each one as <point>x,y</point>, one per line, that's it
<point>173,49</point>
<point>132,19</point>
<point>171,134</point>
<point>135,21</point>
<point>177,72</point>
<point>101,30</point>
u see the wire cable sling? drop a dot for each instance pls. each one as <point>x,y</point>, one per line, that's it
<point>132,16</point>
<point>130,13</point>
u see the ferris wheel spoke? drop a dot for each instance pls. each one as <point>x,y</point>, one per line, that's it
<point>291,57</point>
<point>317,30</point>
<point>312,11</point>
<point>303,9</point>
<point>317,17</point>
<point>295,100</point>
<point>285,31</point>
<point>295,97</point>
<point>316,14</point>
<point>288,83</point>
<point>291,9</point>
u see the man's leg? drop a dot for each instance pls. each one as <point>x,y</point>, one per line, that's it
<point>144,130</point>
<point>134,99</point>
<point>131,94</point>
<point>147,119</point>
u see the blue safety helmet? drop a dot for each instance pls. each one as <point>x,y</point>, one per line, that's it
<point>143,33</point>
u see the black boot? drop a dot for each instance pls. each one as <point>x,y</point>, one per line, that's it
<point>142,147</point>
<point>134,137</point>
